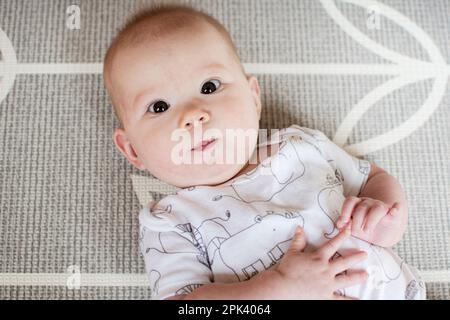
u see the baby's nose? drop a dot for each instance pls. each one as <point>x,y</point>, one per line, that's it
<point>193,118</point>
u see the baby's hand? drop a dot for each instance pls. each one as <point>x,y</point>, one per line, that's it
<point>371,218</point>
<point>314,275</point>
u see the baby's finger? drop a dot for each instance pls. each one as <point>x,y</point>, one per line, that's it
<point>330,248</point>
<point>346,212</point>
<point>358,218</point>
<point>373,217</point>
<point>343,263</point>
<point>348,280</point>
<point>298,243</point>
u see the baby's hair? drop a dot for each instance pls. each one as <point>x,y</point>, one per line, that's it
<point>152,24</point>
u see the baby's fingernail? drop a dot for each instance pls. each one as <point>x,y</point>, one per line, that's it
<point>391,212</point>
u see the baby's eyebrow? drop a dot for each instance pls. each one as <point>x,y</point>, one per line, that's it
<point>214,66</point>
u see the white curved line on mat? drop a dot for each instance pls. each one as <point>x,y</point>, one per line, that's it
<point>436,69</point>
<point>130,279</point>
<point>413,29</point>
<point>406,128</point>
<point>401,131</point>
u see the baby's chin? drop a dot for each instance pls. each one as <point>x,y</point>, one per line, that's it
<point>206,175</point>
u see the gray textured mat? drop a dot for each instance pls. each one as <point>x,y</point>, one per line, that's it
<point>68,198</point>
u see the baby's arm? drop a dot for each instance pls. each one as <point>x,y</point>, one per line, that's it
<point>380,213</point>
<point>299,275</point>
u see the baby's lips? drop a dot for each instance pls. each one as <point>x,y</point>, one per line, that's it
<point>202,143</point>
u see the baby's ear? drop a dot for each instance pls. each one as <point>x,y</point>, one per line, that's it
<point>124,146</point>
<point>256,92</point>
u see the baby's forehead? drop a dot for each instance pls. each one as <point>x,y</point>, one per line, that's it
<point>204,33</point>
<point>182,48</point>
<point>163,34</point>
<point>153,32</point>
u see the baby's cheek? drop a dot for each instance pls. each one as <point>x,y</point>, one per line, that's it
<point>152,153</point>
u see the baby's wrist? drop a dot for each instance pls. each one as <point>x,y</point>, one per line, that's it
<point>270,282</point>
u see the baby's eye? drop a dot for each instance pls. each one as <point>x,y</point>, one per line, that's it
<point>158,106</point>
<point>210,86</point>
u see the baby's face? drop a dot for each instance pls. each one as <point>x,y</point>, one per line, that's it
<point>186,83</point>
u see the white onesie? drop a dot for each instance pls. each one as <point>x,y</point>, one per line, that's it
<point>230,233</point>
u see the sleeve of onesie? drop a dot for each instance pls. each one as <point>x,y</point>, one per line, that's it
<point>175,261</point>
<point>352,171</point>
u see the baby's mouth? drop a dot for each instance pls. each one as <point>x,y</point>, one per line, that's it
<point>204,144</point>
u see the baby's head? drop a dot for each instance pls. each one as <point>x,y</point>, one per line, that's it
<point>170,72</point>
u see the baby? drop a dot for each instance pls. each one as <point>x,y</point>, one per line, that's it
<point>238,226</point>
